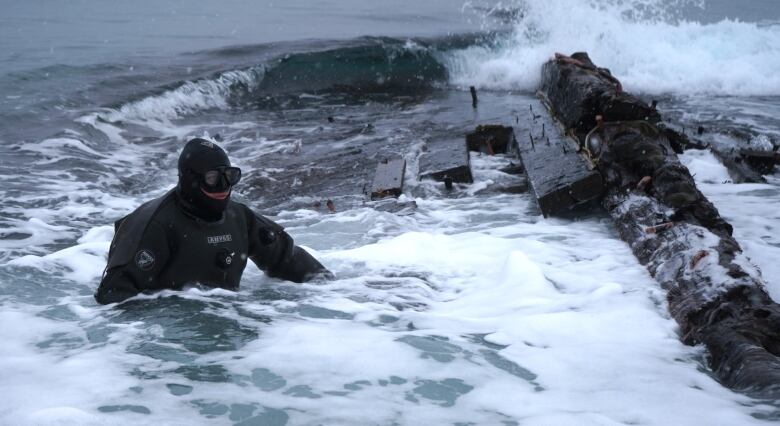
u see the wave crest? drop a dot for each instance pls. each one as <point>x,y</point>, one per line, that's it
<point>644,42</point>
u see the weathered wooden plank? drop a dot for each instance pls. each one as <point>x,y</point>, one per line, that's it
<point>389,179</point>
<point>714,294</point>
<point>446,160</point>
<point>491,139</point>
<point>559,177</point>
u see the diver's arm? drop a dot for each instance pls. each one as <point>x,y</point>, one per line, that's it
<point>124,280</point>
<point>116,286</point>
<point>274,251</point>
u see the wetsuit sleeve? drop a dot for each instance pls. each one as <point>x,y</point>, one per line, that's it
<point>274,251</point>
<point>139,271</point>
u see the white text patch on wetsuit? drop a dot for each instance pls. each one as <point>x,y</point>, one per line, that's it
<point>216,239</point>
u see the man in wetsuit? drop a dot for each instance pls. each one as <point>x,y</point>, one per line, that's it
<point>195,234</point>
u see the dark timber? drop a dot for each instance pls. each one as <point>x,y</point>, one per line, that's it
<point>714,293</point>
<point>577,110</point>
<point>559,177</point>
<point>491,139</point>
<point>389,179</point>
<point>744,165</point>
<point>446,161</point>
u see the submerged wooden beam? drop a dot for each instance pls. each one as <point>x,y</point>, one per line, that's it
<point>559,177</point>
<point>743,165</point>
<point>446,161</point>
<point>389,179</point>
<point>714,293</point>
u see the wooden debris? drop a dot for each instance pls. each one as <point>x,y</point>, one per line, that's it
<point>701,254</point>
<point>564,81</point>
<point>446,161</point>
<point>389,179</point>
<point>644,182</point>
<point>559,177</point>
<point>659,228</point>
<point>744,165</point>
<point>724,305</point>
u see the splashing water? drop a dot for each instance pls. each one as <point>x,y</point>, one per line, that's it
<point>647,43</point>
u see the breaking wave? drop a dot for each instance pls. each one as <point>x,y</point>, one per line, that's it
<point>190,96</point>
<point>646,43</point>
<point>374,64</point>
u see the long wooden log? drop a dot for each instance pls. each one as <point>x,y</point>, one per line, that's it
<point>714,293</point>
<point>577,110</point>
<point>562,82</point>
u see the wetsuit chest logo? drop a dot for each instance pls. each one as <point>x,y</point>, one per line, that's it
<point>216,239</point>
<point>144,259</point>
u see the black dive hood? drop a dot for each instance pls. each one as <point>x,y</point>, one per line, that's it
<point>198,157</point>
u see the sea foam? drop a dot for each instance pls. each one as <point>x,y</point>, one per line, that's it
<point>190,96</point>
<point>655,54</point>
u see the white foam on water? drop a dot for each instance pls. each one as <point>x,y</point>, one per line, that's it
<point>54,147</point>
<point>705,167</point>
<point>655,56</point>
<point>80,263</point>
<point>471,308</point>
<point>191,96</point>
<point>481,314</point>
<point>752,209</point>
<point>50,386</point>
<point>573,306</point>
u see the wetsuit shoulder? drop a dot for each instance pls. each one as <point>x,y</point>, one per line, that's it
<point>131,228</point>
<point>138,252</point>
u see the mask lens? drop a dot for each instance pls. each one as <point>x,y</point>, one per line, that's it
<point>233,175</point>
<point>211,178</point>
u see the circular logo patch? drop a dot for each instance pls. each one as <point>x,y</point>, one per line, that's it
<point>144,259</point>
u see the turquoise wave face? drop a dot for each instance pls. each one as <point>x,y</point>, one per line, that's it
<point>382,65</point>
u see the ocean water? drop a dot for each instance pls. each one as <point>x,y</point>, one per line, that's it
<point>451,308</point>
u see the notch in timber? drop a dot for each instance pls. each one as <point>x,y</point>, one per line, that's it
<point>491,139</point>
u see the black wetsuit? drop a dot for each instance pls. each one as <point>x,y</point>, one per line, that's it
<point>162,245</point>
